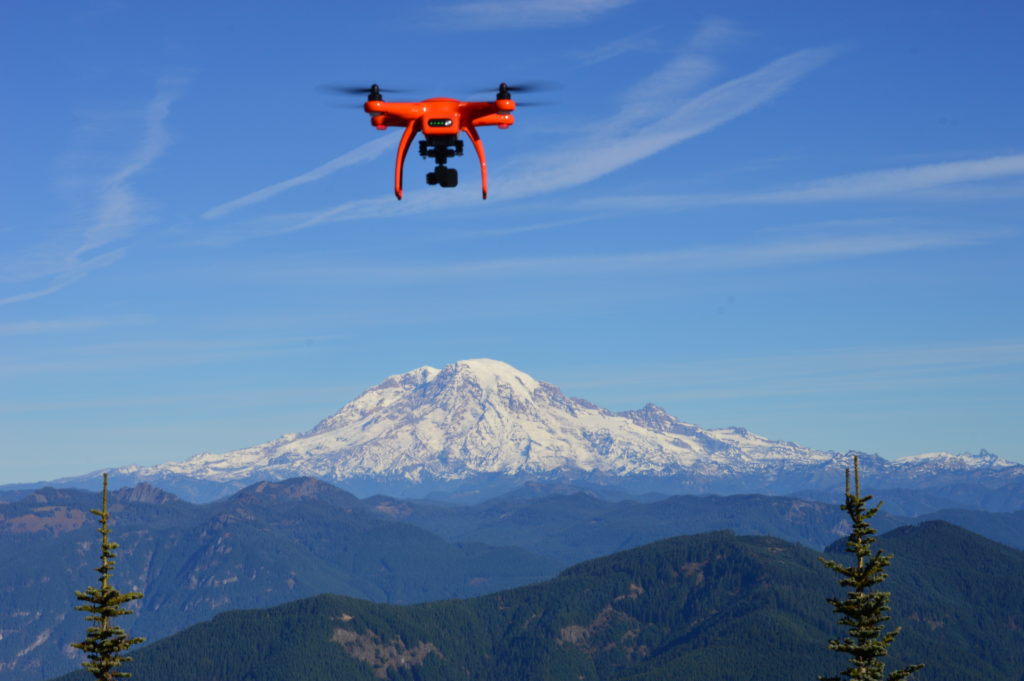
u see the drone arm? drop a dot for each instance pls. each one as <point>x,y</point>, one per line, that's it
<point>478,144</point>
<point>403,148</point>
<point>499,119</point>
<point>404,110</point>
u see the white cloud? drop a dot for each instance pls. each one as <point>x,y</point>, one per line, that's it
<point>119,209</point>
<point>75,268</point>
<point>951,180</point>
<point>713,33</point>
<point>711,257</point>
<point>593,155</point>
<point>365,152</point>
<point>524,13</point>
<point>637,42</point>
<point>897,181</point>
<point>790,251</point>
<point>586,160</point>
<point>651,96</point>
<point>118,212</point>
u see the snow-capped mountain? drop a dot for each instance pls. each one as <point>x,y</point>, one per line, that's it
<point>481,417</point>
<point>482,422</point>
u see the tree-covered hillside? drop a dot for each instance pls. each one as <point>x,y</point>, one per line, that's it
<point>711,607</point>
<point>266,545</point>
<point>276,542</point>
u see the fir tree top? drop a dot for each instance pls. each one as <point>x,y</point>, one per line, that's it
<point>104,641</point>
<point>863,610</point>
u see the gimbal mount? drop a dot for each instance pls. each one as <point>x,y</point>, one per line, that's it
<point>441,148</point>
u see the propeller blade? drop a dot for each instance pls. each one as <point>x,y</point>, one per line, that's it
<point>531,86</point>
<point>344,89</point>
<point>528,86</point>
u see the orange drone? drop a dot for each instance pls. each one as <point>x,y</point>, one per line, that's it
<point>440,120</point>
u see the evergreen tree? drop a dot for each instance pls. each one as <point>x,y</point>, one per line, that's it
<point>104,642</point>
<point>863,610</point>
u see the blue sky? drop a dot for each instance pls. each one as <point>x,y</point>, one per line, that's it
<point>801,218</point>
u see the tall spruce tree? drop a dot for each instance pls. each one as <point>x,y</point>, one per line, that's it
<point>104,642</point>
<point>863,610</point>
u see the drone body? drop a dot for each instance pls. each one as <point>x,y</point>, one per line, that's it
<point>440,120</point>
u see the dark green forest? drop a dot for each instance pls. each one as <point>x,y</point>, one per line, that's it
<point>712,607</point>
<point>266,545</point>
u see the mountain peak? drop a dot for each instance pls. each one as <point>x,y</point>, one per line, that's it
<point>424,374</point>
<point>485,420</point>
<point>654,417</point>
<point>480,417</point>
<point>491,375</point>
<point>295,489</point>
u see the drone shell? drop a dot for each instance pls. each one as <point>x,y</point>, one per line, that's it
<point>438,117</point>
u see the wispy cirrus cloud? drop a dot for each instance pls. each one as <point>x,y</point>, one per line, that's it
<point>661,109</point>
<point>766,254</point>
<point>484,14</point>
<point>720,257</point>
<point>592,154</point>
<point>713,33</point>
<point>584,160</point>
<point>637,42</point>
<point>117,212</point>
<point>69,270</point>
<point>895,181</point>
<point>37,326</point>
<point>365,152</point>
<point>950,180</point>
<point>119,209</point>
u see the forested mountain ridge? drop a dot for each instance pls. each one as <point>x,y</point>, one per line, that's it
<point>712,607</point>
<point>275,542</point>
<point>268,544</point>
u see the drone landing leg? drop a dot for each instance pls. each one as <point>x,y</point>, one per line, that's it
<point>403,148</point>
<point>479,146</point>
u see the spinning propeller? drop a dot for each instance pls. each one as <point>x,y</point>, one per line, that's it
<point>373,93</point>
<point>505,90</point>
